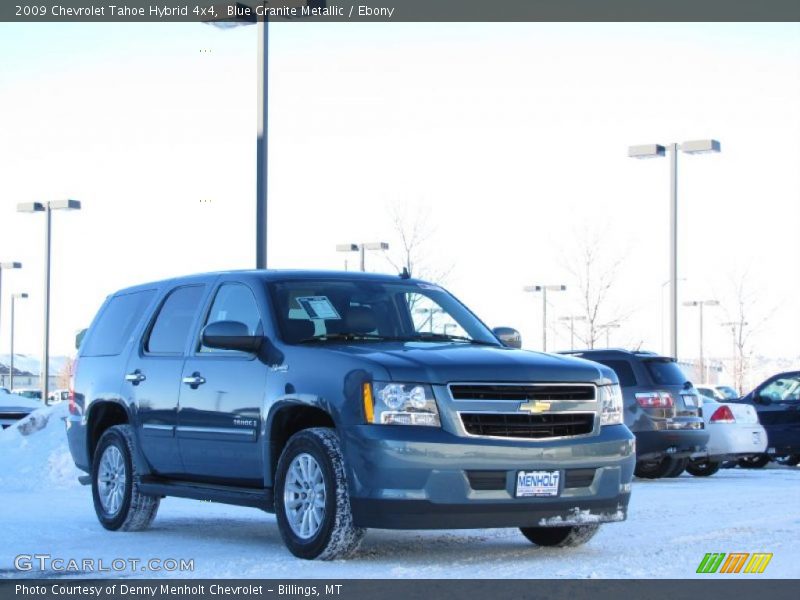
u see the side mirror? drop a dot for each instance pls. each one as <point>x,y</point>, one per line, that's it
<point>230,335</point>
<point>509,336</point>
<point>79,338</point>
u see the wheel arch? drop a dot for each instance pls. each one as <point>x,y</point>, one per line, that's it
<point>286,419</point>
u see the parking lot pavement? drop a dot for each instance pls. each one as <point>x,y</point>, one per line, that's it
<point>672,524</point>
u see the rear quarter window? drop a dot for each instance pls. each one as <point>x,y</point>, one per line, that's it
<point>623,370</point>
<point>115,324</point>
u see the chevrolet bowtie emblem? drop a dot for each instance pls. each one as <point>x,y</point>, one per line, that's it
<point>534,406</point>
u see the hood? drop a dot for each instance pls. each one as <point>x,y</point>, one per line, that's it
<point>447,362</point>
<point>17,402</point>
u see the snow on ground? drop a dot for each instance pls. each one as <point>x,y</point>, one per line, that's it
<point>672,524</point>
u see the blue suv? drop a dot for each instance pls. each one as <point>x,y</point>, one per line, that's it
<point>340,402</point>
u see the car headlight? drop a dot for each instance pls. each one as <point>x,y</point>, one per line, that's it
<point>400,404</point>
<point>610,405</point>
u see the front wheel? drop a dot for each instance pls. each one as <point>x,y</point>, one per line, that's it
<point>560,537</point>
<point>758,461</point>
<point>702,467</point>
<point>312,501</point>
<point>677,468</point>
<point>654,469</point>
<point>790,460</point>
<point>118,503</point>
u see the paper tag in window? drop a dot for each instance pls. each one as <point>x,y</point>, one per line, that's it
<point>318,307</point>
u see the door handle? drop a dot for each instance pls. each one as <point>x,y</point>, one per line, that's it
<point>194,380</point>
<point>136,377</point>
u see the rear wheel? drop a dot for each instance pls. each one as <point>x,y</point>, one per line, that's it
<point>312,501</point>
<point>790,460</point>
<point>754,462</point>
<point>561,537</point>
<point>678,467</point>
<point>653,469</point>
<point>702,467</point>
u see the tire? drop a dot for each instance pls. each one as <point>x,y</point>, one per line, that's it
<point>325,529</point>
<point>790,460</point>
<point>759,461</point>
<point>561,537</point>
<point>653,469</point>
<point>702,467</point>
<point>678,467</point>
<point>113,468</point>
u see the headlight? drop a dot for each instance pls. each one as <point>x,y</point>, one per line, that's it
<point>400,404</point>
<point>610,405</point>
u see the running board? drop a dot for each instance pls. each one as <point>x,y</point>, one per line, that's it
<point>224,494</point>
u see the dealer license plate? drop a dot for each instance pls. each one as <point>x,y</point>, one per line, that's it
<point>537,483</point>
<point>690,400</point>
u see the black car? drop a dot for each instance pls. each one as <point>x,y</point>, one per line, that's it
<point>777,401</point>
<point>661,408</point>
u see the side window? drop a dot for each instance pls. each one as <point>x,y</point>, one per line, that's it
<point>623,370</point>
<point>784,389</point>
<point>174,321</point>
<point>234,302</point>
<point>115,325</point>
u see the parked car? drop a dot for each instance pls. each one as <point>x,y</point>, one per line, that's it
<point>57,396</point>
<point>661,408</point>
<point>14,407</point>
<point>777,401</point>
<point>734,434</point>
<point>338,401</point>
<point>720,393</point>
<point>28,393</point>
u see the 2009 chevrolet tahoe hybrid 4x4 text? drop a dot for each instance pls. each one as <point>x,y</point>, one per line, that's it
<point>341,401</point>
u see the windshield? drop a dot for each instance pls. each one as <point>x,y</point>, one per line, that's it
<point>358,310</point>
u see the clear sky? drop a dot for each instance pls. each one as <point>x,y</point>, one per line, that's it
<point>512,136</point>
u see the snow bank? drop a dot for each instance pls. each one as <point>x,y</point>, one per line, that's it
<point>34,455</point>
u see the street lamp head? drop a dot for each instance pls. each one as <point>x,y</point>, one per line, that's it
<point>65,204</point>
<point>647,151</point>
<point>10,265</point>
<point>230,14</point>
<point>347,247</point>
<point>700,146</point>
<point>691,303</point>
<point>19,295</point>
<point>376,246</point>
<point>30,207</point>
<point>532,288</point>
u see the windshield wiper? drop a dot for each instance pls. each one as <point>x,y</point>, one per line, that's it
<point>443,337</point>
<point>353,337</point>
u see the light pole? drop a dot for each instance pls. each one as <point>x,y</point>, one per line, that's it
<point>608,327</point>
<point>361,249</point>
<point>544,289</point>
<point>572,319</point>
<point>11,367</point>
<point>47,208</point>
<point>652,151</point>
<point>3,267</point>
<point>700,304</point>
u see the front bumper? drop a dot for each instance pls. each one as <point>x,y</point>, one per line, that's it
<point>424,478</point>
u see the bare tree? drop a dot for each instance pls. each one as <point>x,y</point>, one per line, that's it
<point>65,374</point>
<point>411,250</point>
<point>595,274</point>
<point>743,319</point>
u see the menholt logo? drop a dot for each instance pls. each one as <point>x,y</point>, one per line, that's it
<point>736,562</point>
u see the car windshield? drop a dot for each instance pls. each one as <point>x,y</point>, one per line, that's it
<point>322,310</point>
<point>665,372</point>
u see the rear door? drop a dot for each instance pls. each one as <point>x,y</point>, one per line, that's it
<point>222,395</point>
<point>153,375</point>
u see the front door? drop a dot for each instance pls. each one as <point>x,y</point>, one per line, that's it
<point>778,406</point>
<point>222,392</point>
